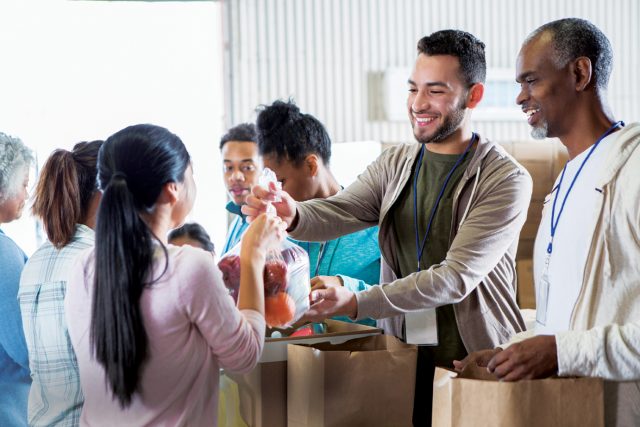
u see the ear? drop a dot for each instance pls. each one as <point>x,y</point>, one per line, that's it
<point>582,73</point>
<point>312,163</point>
<point>169,194</point>
<point>475,95</point>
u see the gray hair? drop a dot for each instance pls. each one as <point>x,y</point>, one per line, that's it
<point>573,38</point>
<point>15,157</point>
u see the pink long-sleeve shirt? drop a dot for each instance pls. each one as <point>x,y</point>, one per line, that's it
<point>193,330</point>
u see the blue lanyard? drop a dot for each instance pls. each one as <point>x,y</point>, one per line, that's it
<point>419,247</point>
<point>555,220</point>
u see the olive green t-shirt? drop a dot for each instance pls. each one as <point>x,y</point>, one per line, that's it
<point>432,175</point>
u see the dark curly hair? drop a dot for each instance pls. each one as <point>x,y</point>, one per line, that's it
<point>573,38</point>
<point>245,132</point>
<point>464,46</point>
<point>285,131</point>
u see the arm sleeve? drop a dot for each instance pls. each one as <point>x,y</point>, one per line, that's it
<point>11,331</point>
<point>611,352</point>
<point>354,285</point>
<point>355,208</point>
<point>493,225</point>
<point>235,337</point>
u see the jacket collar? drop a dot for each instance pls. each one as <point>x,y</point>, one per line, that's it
<point>627,141</point>
<point>483,147</point>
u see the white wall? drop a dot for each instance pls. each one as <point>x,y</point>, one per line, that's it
<point>328,54</point>
<point>75,70</point>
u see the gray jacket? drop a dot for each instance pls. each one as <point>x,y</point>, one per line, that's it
<point>478,275</point>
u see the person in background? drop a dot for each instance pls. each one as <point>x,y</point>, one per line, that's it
<point>297,148</point>
<point>241,167</point>
<point>66,201</point>
<point>192,234</point>
<point>450,210</point>
<point>15,161</point>
<point>586,268</point>
<point>152,323</point>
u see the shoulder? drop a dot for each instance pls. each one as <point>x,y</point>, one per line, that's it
<point>496,159</point>
<point>399,153</point>
<point>10,252</point>
<point>188,262</point>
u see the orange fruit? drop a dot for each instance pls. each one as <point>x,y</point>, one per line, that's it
<point>279,309</point>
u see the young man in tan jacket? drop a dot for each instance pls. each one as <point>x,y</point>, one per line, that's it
<point>450,210</point>
<point>587,252</point>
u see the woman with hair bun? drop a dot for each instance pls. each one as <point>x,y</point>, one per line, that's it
<point>66,201</point>
<point>153,323</point>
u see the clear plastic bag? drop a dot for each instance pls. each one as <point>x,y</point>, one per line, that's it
<point>286,278</point>
<point>286,282</point>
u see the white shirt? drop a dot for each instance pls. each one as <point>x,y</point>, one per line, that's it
<point>575,229</point>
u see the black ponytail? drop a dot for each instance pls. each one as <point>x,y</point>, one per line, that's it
<point>133,166</point>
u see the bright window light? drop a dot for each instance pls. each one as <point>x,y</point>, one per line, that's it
<point>81,70</point>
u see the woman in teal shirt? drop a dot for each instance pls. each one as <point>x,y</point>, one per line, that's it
<point>297,148</point>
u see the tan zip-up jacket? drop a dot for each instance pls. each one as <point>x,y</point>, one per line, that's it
<point>478,275</point>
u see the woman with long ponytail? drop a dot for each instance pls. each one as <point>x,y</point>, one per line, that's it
<point>152,323</point>
<point>66,200</point>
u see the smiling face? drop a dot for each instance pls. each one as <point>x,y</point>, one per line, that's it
<point>241,167</point>
<point>437,98</point>
<point>546,89</point>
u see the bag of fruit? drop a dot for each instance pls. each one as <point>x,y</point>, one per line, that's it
<point>286,280</point>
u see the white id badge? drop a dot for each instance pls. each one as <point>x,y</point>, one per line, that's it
<point>421,327</point>
<point>542,298</point>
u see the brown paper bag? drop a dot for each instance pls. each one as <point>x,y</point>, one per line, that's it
<point>363,382</point>
<point>477,398</point>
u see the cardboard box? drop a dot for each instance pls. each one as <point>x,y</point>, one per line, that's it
<point>476,398</point>
<point>263,391</point>
<point>544,160</point>
<point>363,382</point>
<point>526,296</point>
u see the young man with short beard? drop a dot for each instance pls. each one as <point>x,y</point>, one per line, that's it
<point>450,210</point>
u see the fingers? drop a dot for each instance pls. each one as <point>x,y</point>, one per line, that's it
<point>319,311</point>
<point>264,194</point>
<point>505,365</point>
<point>459,365</point>
<point>322,294</point>
<point>316,283</point>
<point>253,206</point>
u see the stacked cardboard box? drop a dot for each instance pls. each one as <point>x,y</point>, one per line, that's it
<point>544,160</point>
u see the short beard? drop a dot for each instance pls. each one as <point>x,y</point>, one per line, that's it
<point>540,132</point>
<point>450,125</point>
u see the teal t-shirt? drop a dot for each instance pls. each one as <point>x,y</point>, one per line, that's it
<point>354,257</point>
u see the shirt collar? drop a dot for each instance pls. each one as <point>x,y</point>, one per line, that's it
<point>235,209</point>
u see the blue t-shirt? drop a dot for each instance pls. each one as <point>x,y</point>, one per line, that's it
<point>354,257</point>
<point>15,378</point>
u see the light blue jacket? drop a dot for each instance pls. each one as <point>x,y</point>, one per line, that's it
<point>15,378</point>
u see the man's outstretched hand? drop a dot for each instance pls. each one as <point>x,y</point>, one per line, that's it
<point>260,199</point>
